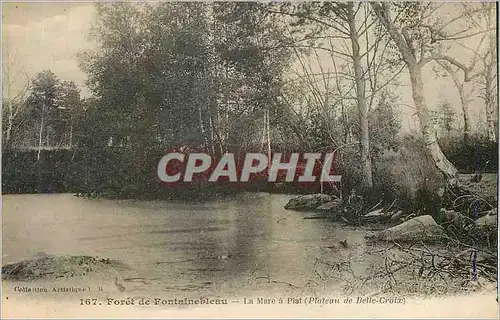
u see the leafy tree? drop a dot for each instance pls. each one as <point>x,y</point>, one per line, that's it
<point>172,74</point>
<point>42,100</point>
<point>53,106</point>
<point>385,124</point>
<point>444,118</point>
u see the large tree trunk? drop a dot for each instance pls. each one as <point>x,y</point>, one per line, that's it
<point>366,163</point>
<point>426,125</point>
<point>415,70</point>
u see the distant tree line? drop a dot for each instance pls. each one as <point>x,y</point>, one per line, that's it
<point>240,77</point>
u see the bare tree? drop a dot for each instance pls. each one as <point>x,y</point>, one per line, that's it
<point>465,97</point>
<point>418,38</point>
<point>356,50</point>
<point>486,53</point>
<point>483,72</point>
<point>489,81</point>
<point>360,94</point>
<point>13,99</point>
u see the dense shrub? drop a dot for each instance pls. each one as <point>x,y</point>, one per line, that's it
<point>477,153</point>
<point>410,176</point>
<point>23,173</point>
<point>113,172</point>
<point>405,173</point>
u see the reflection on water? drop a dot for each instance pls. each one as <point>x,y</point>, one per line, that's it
<point>217,246</point>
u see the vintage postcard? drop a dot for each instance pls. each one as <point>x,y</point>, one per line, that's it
<point>249,159</point>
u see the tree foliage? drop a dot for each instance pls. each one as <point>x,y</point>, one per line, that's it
<point>182,73</point>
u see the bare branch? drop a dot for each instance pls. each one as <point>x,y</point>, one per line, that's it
<point>467,70</point>
<point>314,19</point>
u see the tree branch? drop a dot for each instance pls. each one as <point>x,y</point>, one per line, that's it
<point>467,70</point>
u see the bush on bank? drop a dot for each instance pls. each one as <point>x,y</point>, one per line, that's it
<point>404,173</point>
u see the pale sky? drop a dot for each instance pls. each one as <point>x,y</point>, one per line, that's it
<point>38,36</point>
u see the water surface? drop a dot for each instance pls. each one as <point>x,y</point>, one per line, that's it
<point>228,246</point>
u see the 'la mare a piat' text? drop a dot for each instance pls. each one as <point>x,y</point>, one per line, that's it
<point>323,300</point>
<point>258,301</point>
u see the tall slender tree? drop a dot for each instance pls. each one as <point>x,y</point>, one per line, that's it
<point>356,50</point>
